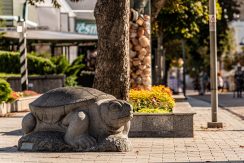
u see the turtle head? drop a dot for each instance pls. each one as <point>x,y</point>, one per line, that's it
<point>116,113</point>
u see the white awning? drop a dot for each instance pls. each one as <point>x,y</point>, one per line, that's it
<point>51,35</point>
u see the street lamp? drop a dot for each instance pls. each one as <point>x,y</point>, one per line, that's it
<point>184,67</point>
<point>21,29</point>
<point>213,65</point>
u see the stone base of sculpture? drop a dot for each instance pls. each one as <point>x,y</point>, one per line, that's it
<point>77,119</point>
<point>50,141</point>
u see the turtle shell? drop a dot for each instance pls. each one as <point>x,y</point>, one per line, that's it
<point>56,103</point>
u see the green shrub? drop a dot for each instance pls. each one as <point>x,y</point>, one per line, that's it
<point>76,67</point>
<point>10,63</point>
<point>157,100</point>
<point>43,55</point>
<point>5,90</point>
<point>61,64</point>
<point>41,66</point>
<point>71,81</point>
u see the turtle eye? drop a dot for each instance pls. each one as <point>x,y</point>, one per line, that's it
<point>115,106</point>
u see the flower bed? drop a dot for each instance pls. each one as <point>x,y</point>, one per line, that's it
<point>157,115</point>
<point>19,105</point>
<point>11,101</point>
<point>157,100</point>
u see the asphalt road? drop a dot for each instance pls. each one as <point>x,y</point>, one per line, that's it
<point>226,101</point>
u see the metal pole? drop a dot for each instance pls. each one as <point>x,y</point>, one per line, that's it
<point>213,64</point>
<point>184,67</point>
<point>23,55</point>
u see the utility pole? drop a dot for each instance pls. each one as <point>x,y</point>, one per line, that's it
<point>213,65</point>
<point>184,67</point>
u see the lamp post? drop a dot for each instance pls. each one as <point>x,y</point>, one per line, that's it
<point>21,29</point>
<point>184,67</point>
<point>213,66</point>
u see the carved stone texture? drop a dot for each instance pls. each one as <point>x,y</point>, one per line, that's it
<point>77,119</point>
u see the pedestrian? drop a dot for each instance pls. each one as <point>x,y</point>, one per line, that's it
<point>239,81</point>
<point>220,82</point>
<point>203,82</point>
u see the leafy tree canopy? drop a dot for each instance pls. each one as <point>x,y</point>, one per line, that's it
<point>182,18</point>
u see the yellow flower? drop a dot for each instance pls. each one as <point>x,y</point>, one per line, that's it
<point>157,100</point>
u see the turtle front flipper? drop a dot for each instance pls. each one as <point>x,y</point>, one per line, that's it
<point>113,143</point>
<point>28,123</point>
<point>76,135</point>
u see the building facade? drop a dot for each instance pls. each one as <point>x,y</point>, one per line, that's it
<point>69,30</point>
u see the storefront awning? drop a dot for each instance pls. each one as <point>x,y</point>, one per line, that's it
<point>52,36</point>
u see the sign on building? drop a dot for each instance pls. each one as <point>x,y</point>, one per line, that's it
<point>87,28</point>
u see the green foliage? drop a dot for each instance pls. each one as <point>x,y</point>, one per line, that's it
<point>43,55</point>
<point>73,71</point>
<point>190,22</point>
<point>76,66</point>
<point>228,63</point>
<point>5,75</point>
<point>71,81</point>
<point>5,90</point>
<point>199,45</point>
<point>38,65</point>
<point>182,18</point>
<point>2,23</point>
<point>61,64</point>
<point>10,63</point>
<point>157,100</point>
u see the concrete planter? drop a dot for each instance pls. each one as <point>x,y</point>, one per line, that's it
<point>22,104</point>
<point>179,123</point>
<point>5,108</point>
<point>19,105</point>
<point>40,84</point>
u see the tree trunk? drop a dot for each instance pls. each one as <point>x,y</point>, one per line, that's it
<point>112,67</point>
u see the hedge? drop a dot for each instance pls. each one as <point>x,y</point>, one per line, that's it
<point>10,63</point>
<point>5,90</point>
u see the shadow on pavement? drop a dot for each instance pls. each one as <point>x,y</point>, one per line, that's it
<point>9,149</point>
<point>13,133</point>
<point>194,102</point>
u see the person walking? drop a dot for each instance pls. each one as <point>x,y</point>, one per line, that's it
<point>220,82</point>
<point>239,80</point>
<point>203,76</point>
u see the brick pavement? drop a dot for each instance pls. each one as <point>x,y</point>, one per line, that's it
<point>211,145</point>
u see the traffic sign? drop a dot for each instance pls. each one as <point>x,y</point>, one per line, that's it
<point>212,18</point>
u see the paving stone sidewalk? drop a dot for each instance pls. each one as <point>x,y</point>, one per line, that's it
<point>208,145</point>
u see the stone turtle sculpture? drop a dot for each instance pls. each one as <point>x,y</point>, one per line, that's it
<point>85,118</point>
